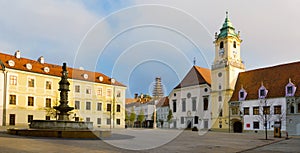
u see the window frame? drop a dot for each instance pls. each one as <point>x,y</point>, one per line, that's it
<point>29,102</point>
<point>12,101</point>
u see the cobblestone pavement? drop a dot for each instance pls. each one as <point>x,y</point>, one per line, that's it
<point>148,140</point>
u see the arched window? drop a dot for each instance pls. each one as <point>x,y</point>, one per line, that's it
<point>221,45</point>
<point>205,103</point>
<point>292,110</point>
<point>220,98</point>
<point>234,44</point>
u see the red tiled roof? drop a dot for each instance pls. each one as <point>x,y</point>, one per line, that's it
<point>55,70</point>
<point>196,76</point>
<point>273,78</point>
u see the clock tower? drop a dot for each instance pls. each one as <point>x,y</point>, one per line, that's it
<point>225,69</point>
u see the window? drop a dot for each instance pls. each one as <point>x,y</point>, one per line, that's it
<point>182,120</point>
<point>13,80</point>
<point>183,105</point>
<point>77,88</point>
<point>88,105</point>
<point>196,118</point>
<point>277,109</point>
<point>290,90</point>
<point>30,82</point>
<point>29,118</point>
<point>266,110</point>
<point>12,119</point>
<point>174,106</point>
<point>47,118</point>
<point>88,119</point>
<point>255,110</point>
<point>262,92</point>
<point>299,108</point>
<point>108,121</point>
<point>98,120</point>
<point>118,121</point>
<point>220,98</point>
<point>221,113</point>
<point>118,108</point>
<point>234,44</point>
<point>48,102</point>
<point>99,91</point>
<point>108,92</point>
<point>255,125</point>
<point>205,103</point>
<point>194,104</point>
<point>242,94</point>
<point>292,109</point>
<point>246,111</point>
<point>77,104</point>
<point>108,107</point>
<point>221,45</point>
<point>99,106</point>
<point>234,110</point>
<point>118,93</point>
<point>48,84</point>
<point>88,90</point>
<point>30,101</point>
<point>12,99</point>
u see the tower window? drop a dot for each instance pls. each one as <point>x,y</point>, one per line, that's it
<point>234,44</point>
<point>221,45</point>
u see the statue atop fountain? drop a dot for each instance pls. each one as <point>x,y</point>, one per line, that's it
<point>64,84</point>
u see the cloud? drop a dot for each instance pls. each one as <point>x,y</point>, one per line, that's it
<point>48,27</point>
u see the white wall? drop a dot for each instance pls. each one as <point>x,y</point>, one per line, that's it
<point>249,119</point>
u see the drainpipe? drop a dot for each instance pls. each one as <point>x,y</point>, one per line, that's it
<point>4,98</point>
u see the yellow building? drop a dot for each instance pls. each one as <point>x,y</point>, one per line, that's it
<point>225,69</point>
<point>29,90</point>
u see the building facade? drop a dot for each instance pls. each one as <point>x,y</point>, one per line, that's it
<point>190,101</point>
<point>267,97</point>
<point>29,90</point>
<point>224,72</point>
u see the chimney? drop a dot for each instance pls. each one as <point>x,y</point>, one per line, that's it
<point>41,60</point>
<point>136,95</point>
<point>18,54</point>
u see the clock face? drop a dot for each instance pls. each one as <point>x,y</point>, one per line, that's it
<point>221,52</point>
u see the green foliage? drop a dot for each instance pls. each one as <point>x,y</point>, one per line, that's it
<point>141,116</point>
<point>170,115</point>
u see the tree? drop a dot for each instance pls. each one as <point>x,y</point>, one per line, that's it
<point>267,114</point>
<point>127,118</point>
<point>170,116</point>
<point>132,116</point>
<point>141,116</point>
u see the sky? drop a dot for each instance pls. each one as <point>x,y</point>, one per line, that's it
<point>136,41</point>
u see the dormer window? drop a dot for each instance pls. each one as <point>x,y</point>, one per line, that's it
<point>290,89</point>
<point>11,63</point>
<point>262,92</point>
<point>242,94</point>
<point>85,76</point>
<point>46,69</point>
<point>28,66</point>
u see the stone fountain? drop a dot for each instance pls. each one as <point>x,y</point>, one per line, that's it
<point>62,127</point>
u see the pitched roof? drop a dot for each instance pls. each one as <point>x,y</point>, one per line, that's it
<point>163,102</point>
<point>54,70</point>
<point>274,79</point>
<point>196,76</point>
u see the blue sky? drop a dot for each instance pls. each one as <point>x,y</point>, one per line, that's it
<point>135,41</point>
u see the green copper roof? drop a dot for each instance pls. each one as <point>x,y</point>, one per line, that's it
<point>227,29</point>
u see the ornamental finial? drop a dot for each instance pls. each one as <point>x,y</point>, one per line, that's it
<point>226,14</point>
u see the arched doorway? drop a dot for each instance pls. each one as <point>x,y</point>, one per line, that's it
<point>237,127</point>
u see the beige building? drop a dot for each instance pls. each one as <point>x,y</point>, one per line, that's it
<point>29,90</point>
<point>225,69</point>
